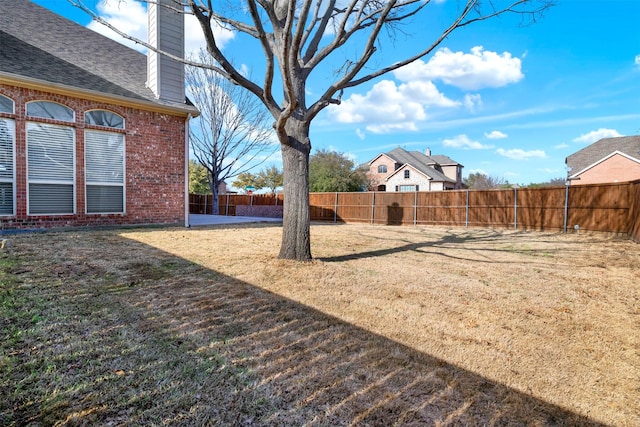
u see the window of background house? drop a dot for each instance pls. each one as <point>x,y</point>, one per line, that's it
<point>104,163</point>
<point>7,167</point>
<point>50,160</point>
<point>407,174</point>
<point>382,169</point>
<point>406,188</point>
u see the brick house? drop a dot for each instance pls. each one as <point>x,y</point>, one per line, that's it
<point>91,132</point>
<point>402,170</point>
<point>607,160</point>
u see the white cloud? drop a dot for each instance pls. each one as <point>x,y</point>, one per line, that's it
<point>595,135</point>
<point>495,134</point>
<point>388,107</point>
<point>519,154</point>
<point>468,71</point>
<point>130,17</point>
<point>472,102</point>
<point>360,134</point>
<point>463,141</point>
<point>637,60</point>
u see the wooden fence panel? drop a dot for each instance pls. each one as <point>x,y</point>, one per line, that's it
<point>602,207</point>
<point>541,208</point>
<point>322,206</point>
<point>354,207</point>
<point>491,208</point>
<point>442,208</point>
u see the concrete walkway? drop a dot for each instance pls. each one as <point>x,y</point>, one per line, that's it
<point>197,219</point>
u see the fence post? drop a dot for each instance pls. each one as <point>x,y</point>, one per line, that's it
<point>466,219</point>
<point>226,211</point>
<point>415,207</point>
<point>515,207</point>
<point>373,206</point>
<point>566,205</point>
<point>335,210</point>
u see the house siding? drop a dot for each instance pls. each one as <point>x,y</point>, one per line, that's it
<point>415,178</point>
<point>154,162</point>
<point>616,168</point>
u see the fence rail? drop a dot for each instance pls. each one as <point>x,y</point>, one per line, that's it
<point>612,208</point>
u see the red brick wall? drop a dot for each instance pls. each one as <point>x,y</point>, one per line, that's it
<point>154,165</point>
<point>616,168</point>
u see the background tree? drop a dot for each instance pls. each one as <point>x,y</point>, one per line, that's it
<point>198,181</point>
<point>338,39</point>
<point>270,178</point>
<point>332,171</point>
<point>553,182</point>
<point>481,181</point>
<point>233,130</point>
<point>247,179</point>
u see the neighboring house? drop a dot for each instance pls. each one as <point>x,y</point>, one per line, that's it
<point>91,132</point>
<point>402,170</point>
<point>607,160</point>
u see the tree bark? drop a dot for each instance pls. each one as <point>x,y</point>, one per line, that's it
<point>214,185</point>
<point>296,234</point>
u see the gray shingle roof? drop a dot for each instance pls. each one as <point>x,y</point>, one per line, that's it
<point>422,162</point>
<point>39,44</point>
<point>578,161</point>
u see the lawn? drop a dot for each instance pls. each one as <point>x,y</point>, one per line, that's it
<point>387,326</point>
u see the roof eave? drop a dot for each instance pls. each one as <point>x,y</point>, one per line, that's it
<point>61,89</point>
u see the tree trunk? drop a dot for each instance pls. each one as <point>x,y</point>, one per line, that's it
<point>296,235</point>
<point>215,206</point>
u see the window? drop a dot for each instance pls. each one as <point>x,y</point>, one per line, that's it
<point>407,188</point>
<point>382,169</point>
<point>104,163</point>
<point>50,110</point>
<point>104,118</point>
<point>50,169</point>
<point>6,105</point>
<point>7,138</point>
<point>407,174</point>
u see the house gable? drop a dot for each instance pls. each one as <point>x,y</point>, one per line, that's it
<point>616,167</point>
<point>591,154</point>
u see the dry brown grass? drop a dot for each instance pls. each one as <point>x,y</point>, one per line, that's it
<point>388,326</point>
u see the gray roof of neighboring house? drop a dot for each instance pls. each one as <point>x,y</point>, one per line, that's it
<point>580,160</point>
<point>38,44</point>
<point>423,163</point>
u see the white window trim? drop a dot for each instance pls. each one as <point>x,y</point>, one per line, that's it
<point>42,181</point>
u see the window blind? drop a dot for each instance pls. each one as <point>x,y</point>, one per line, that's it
<point>50,168</point>
<point>104,171</point>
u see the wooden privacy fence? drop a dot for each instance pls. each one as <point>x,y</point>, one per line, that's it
<point>203,203</point>
<point>613,208</point>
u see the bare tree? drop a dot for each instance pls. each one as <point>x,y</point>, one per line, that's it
<point>482,181</point>
<point>233,129</point>
<point>296,37</point>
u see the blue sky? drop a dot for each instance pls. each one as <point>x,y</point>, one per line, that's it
<point>502,99</point>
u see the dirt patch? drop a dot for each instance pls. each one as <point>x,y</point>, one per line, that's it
<point>388,326</point>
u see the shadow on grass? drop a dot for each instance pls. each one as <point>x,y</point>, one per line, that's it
<point>457,238</point>
<point>151,339</point>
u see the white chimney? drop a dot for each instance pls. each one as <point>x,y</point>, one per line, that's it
<point>165,76</point>
<point>428,151</point>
